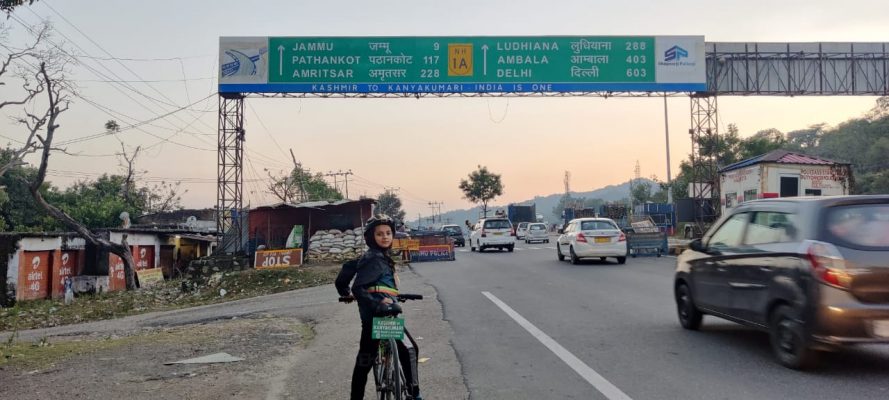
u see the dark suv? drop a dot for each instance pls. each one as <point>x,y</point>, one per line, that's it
<point>813,272</point>
<point>456,233</point>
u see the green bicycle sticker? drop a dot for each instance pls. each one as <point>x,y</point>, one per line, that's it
<point>387,328</point>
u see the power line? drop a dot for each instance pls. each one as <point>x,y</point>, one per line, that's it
<point>98,73</point>
<point>261,123</point>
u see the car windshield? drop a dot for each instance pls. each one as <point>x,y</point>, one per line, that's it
<point>452,229</point>
<point>861,224</point>
<point>497,224</point>
<point>596,225</point>
<point>537,227</point>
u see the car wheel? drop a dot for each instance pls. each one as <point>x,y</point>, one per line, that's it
<point>510,249</point>
<point>547,240</point>
<point>789,340</point>
<point>621,260</point>
<point>559,254</point>
<point>602,258</point>
<point>574,259</point>
<point>689,316</point>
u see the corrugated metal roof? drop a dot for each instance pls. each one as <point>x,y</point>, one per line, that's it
<point>315,204</point>
<point>780,156</point>
<point>794,158</point>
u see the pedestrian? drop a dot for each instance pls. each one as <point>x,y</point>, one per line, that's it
<point>375,288</point>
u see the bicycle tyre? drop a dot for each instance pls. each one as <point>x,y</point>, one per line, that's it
<point>396,374</point>
<point>384,382</point>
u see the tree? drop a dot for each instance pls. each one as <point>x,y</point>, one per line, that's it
<point>161,197</point>
<point>31,86</point>
<point>7,6</point>
<point>482,187</point>
<point>283,187</point>
<point>56,91</point>
<point>301,185</point>
<point>761,142</point>
<point>805,139</point>
<point>390,204</point>
<point>640,193</point>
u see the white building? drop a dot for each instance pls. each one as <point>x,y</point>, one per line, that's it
<point>782,173</point>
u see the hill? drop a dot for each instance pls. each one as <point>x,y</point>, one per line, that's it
<point>545,204</point>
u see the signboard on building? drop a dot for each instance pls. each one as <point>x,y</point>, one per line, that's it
<point>116,278</point>
<point>70,262</point>
<point>478,64</point>
<point>34,267</point>
<point>276,259</point>
<point>143,256</point>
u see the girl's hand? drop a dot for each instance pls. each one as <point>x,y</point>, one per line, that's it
<point>386,301</point>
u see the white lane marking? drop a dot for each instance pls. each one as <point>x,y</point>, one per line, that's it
<point>463,251</point>
<point>534,248</point>
<point>552,247</point>
<point>601,384</point>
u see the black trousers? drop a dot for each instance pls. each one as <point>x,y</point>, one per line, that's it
<point>367,352</point>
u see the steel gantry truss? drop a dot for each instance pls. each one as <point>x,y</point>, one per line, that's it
<point>704,159</point>
<point>230,178</point>
<point>733,69</point>
<point>798,69</point>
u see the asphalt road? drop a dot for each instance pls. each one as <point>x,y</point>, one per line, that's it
<point>619,322</point>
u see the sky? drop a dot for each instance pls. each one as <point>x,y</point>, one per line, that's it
<point>167,54</point>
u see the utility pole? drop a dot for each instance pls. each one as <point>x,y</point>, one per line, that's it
<point>303,196</point>
<point>336,182</point>
<point>667,132</point>
<point>435,205</point>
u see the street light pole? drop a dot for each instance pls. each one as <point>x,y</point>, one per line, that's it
<point>667,132</point>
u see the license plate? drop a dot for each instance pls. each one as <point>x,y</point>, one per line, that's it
<point>498,233</point>
<point>881,328</point>
<point>603,240</point>
<point>387,328</point>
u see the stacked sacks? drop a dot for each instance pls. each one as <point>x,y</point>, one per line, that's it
<point>336,246</point>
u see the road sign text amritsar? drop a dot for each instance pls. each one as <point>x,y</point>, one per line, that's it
<point>461,64</point>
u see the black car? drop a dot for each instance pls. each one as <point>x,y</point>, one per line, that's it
<point>813,272</point>
<point>456,233</point>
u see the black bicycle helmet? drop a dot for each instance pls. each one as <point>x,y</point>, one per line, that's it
<point>372,223</point>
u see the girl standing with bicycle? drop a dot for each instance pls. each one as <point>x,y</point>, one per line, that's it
<point>376,290</point>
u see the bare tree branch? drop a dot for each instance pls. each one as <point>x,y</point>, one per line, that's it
<point>57,104</point>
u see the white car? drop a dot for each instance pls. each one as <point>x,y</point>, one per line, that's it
<point>521,230</point>
<point>492,233</point>
<point>592,238</point>
<point>537,233</point>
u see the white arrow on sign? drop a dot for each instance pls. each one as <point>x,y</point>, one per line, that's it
<point>485,59</point>
<point>280,59</point>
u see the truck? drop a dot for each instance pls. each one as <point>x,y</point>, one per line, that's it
<point>521,213</point>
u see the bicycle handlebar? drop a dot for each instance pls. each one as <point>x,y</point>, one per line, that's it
<point>402,298</point>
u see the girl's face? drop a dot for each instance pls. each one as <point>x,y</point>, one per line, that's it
<point>383,236</point>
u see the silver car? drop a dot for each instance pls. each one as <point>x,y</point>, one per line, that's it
<point>536,233</point>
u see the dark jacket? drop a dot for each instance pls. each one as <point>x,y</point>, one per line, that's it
<point>374,280</point>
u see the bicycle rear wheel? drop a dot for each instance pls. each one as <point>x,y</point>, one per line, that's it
<point>396,373</point>
<point>387,371</point>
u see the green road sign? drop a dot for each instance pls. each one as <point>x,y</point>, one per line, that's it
<point>461,64</point>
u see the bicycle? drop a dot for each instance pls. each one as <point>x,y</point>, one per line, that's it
<point>388,376</point>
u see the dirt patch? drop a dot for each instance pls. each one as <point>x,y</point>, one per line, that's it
<point>168,296</point>
<point>132,366</point>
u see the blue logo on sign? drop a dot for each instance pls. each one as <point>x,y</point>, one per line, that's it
<point>241,64</point>
<point>675,53</point>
